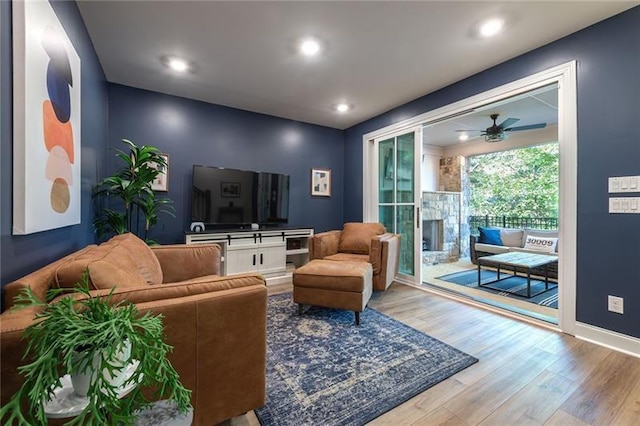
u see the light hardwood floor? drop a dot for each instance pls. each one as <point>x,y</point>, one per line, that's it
<point>527,375</point>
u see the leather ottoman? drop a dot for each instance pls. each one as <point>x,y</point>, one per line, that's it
<point>331,284</point>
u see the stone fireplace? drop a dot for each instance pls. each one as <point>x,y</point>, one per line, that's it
<point>440,227</point>
<point>432,235</point>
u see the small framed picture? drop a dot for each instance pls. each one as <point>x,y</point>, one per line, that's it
<point>230,189</point>
<point>161,182</point>
<point>321,182</point>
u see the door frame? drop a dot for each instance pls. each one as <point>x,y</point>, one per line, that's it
<point>564,76</point>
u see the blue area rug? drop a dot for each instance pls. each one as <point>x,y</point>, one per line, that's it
<point>514,287</point>
<point>322,369</point>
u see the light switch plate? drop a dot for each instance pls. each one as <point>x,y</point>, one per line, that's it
<point>622,184</point>
<point>624,205</point>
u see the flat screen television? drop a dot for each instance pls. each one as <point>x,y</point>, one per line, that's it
<point>232,197</point>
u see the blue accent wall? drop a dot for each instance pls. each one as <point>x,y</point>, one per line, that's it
<point>194,132</point>
<point>608,246</point>
<point>22,254</point>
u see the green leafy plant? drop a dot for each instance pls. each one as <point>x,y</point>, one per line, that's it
<point>66,335</point>
<point>139,206</point>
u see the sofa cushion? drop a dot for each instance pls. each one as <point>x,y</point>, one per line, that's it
<point>489,236</point>
<point>111,264</point>
<point>142,255</point>
<point>523,250</point>
<point>348,257</point>
<point>543,244</point>
<point>491,248</point>
<point>356,237</point>
<point>512,237</point>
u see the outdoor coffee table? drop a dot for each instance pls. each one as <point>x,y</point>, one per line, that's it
<point>515,260</point>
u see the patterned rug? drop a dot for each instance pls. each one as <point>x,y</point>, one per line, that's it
<point>514,287</point>
<point>322,369</point>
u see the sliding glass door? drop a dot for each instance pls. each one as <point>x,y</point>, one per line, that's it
<point>396,203</point>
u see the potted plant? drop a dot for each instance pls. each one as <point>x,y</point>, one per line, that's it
<point>86,333</point>
<point>132,205</point>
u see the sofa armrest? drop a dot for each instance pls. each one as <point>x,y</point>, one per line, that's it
<point>219,341</point>
<point>472,247</point>
<point>324,244</point>
<point>180,262</point>
<point>385,257</point>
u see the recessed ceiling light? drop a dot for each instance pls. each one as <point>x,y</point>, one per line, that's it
<point>463,137</point>
<point>309,47</point>
<point>342,107</point>
<point>177,64</point>
<point>491,27</point>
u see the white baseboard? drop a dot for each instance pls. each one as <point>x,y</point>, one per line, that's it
<point>609,339</point>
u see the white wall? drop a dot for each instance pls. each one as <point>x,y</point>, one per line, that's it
<point>430,167</point>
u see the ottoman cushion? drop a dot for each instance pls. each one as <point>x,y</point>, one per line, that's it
<point>331,275</point>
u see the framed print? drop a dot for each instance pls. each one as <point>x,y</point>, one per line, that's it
<point>161,182</point>
<point>46,121</point>
<point>321,182</point>
<point>230,189</point>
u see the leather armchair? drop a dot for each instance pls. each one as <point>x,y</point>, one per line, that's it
<point>361,242</point>
<point>216,324</point>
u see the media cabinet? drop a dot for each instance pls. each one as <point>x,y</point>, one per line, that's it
<point>273,253</point>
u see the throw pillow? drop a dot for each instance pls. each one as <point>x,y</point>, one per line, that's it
<point>489,236</point>
<point>547,245</point>
<point>511,237</point>
<point>356,237</point>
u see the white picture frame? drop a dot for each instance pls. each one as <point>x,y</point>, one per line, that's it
<point>320,182</point>
<point>161,182</point>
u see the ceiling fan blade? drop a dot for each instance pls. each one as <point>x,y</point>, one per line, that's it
<point>529,127</point>
<point>508,122</point>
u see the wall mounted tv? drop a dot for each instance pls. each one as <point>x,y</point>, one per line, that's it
<point>222,196</point>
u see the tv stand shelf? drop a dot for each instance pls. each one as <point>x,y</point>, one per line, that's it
<point>271,252</point>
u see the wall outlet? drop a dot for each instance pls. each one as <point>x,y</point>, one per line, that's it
<point>616,304</point>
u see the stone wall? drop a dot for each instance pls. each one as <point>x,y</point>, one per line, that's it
<point>443,206</point>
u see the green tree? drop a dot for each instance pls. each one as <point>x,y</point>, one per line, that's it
<point>520,182</point>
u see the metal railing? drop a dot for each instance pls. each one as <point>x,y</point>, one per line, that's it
<point>512,222</point>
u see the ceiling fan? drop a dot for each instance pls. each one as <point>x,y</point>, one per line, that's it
<point>497,132</point>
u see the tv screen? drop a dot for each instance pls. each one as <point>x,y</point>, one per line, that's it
<point>224,196</point>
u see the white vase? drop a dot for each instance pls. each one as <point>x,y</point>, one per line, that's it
<point>120,362</point>
<point>82,374</point>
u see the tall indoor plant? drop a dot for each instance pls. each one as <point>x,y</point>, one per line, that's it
<point>85,333</point>
<point>132,205</point>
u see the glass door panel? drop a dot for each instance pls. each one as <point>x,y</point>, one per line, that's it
<point>405,227</point>
<point>386,171</point>
<point>397,194</point>
<point>387,217</point>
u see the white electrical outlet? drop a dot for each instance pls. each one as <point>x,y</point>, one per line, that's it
<point>616,304</point>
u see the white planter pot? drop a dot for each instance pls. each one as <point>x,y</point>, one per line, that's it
<point>82,374</point>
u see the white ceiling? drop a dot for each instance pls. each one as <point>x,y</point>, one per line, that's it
<point>377,54</point>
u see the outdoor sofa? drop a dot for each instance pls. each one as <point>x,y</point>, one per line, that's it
<point>497,240</point>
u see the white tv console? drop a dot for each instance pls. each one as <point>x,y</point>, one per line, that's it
<point>273,253</point>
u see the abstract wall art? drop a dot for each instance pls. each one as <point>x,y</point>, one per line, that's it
<point>46,132</point>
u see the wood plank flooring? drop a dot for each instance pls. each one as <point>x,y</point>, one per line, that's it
<point>527,375</point>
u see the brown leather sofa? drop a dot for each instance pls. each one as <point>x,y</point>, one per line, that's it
<point>216,324</point>
<point>361,242</point>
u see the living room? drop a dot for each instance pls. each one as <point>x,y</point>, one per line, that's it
<point>197,132</point>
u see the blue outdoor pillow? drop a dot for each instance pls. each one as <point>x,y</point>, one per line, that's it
<point>489,236</point>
